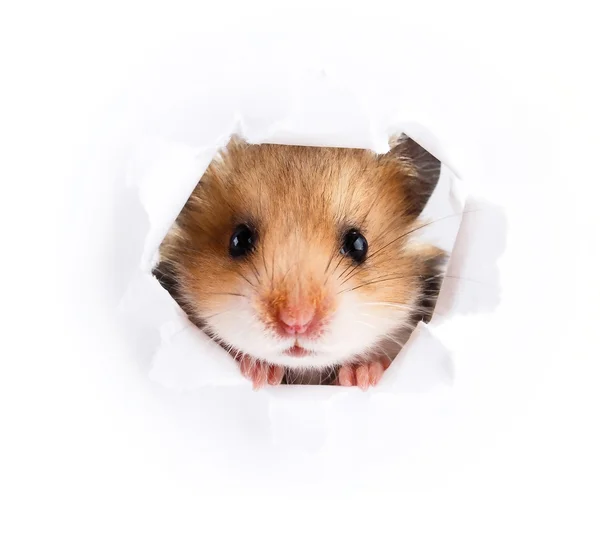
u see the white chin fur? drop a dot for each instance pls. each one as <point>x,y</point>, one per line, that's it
<point>311,362</point>
<point>353,331</point>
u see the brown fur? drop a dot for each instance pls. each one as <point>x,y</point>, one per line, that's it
<point>301,200</point>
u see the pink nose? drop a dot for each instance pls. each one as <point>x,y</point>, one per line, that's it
<point>296,320</point>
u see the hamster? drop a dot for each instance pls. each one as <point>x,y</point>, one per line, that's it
<point>302,261</point>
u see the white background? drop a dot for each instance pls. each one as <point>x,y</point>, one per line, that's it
<point>94,455</point>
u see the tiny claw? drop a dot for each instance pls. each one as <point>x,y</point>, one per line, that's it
<point>363,375</point>
<point>346,376</point>
<point>260,373</point>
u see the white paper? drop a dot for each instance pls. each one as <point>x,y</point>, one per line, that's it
<point>321,113</point>
<point>491,443</point>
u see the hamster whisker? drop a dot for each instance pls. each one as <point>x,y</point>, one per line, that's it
<point>262,254</point>
<point>285,275</point>
<point>409,308</point>
<point>245,278</point>
<point>336,267</point>
<point>418,228</point>
<point>347,279</point>
<point>369,263</point>
<point>393,340</point>
<point>465,279</point>
<point>351,266</point>
<point>350,274</point>
<point>386,336</point>
<point>205,318</point>
<point>366,324</point>
<point>375,281</point>
<point>255,270</point>
<point>329,263</point>
<point>229,293</point>
<point>372,316</point>
<point>382,350</point>
<point>388,304</point>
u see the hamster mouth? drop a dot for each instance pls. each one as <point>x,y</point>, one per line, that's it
<point>298,351</point>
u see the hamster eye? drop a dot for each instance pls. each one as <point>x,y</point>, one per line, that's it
<point>355,245</point>
<point>242,241</point>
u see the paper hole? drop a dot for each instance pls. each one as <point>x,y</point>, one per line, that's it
<point>440,221</point>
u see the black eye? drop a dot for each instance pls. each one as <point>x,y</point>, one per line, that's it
<point>355,245</point>
<point>242,241</point>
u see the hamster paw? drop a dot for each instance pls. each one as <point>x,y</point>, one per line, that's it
<point>362,374</point>
<point>261,373</point>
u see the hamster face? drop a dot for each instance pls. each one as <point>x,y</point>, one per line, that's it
<point>304,257</point>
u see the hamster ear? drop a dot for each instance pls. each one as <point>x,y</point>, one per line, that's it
<point>421,171</point>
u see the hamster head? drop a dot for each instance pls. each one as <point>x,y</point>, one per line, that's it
<point>304,256</point>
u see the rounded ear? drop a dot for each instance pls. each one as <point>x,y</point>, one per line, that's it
<point>421,171</point>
